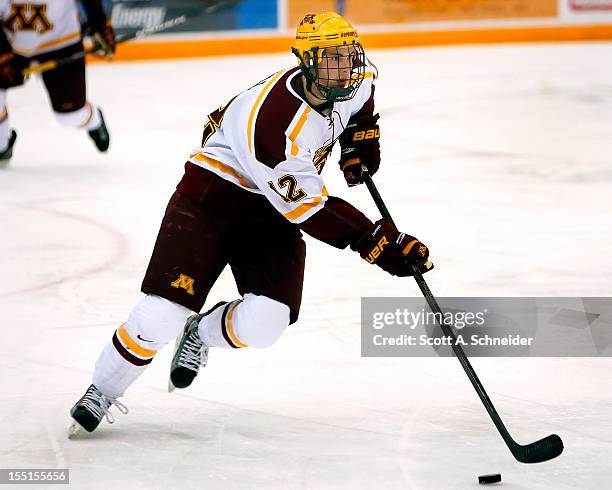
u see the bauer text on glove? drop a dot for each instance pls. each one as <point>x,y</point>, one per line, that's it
<point>360,146</point>
<point>392,251</point>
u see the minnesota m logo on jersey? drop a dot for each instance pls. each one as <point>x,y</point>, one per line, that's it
<point>29,17</point>
<point>184,282</point>
<point>320,156</point>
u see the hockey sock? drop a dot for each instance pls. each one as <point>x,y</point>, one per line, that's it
<point>117,368</point>
<point>153,322</point>
<point>256,321</point>
<point>87,117</point>
<point>95,120</point>
<point>4,125</point>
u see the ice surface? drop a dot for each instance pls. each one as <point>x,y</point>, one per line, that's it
<point>497,157</point>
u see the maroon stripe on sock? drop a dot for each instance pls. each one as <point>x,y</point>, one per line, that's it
<point>127,355</point>
<point>224,328</point>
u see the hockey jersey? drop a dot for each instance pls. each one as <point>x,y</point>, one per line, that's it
<point>268,140</point>
<point>42,26</point>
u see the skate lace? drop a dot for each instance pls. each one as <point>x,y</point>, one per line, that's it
<point>192,352</point>
<point>100,404</point>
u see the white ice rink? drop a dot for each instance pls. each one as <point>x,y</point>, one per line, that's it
<point>497,157</point>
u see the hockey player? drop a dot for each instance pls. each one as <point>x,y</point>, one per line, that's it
<point>247,193</point>
<point>35,32</point>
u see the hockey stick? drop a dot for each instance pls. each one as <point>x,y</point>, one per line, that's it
<point>53,64</point>
<point>547,448</point>
<point>147,31</point>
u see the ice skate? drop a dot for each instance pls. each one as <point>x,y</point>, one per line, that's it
<point>89,411</point>
<point>7,154</point>
<point>100,135</point>
<point>190,353</point>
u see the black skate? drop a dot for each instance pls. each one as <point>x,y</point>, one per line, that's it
<point>190,352</point>
<point>7,154</point>
<point>90,409</point>
<point>100,135</point>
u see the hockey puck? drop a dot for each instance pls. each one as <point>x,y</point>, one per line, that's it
<point>486,479</point>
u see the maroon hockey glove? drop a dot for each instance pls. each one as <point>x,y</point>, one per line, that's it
<point>100,26</point>
<point>104,36</point>
<point>360,146</point>
<point>392,251</point>
<point>11,67</point>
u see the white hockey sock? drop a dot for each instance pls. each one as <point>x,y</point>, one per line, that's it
<point>4,129</point>
<point>87,117</point>
<point>114,373</point>
<point>96,119</point>
<point>4,122</point>
<point>153,322</point>
<point>210,330</point>
<point>256,321</point>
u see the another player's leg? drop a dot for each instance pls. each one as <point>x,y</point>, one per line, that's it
<point>10,76</point>
<point>11,67</point>
<point>67,90</point>
<point>7,135</point>
<point>98,131</point>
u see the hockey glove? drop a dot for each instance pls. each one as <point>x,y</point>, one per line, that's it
<point>360,146</point>
<point>11,67</point>
<point>104,36</point>
<point>392,251</point>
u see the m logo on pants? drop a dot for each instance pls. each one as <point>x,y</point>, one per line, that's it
<point>184,282</point>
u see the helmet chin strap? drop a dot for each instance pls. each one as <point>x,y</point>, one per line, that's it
<point>309,76</point>
<point>310,72</point>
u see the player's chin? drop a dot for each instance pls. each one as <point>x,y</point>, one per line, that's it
<point>337,84</point>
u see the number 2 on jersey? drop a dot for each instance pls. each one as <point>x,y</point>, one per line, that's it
<point>293,193</point>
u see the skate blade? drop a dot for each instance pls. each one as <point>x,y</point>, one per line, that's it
<point>75,430</point>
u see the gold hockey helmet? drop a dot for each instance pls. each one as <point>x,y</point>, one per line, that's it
<point>330,55</point>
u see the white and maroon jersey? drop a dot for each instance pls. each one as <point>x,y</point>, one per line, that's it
<point>269,141</point>
<point>41,26</point>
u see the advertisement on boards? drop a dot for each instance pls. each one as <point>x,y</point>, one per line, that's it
<point>204,15</point>
<point>591,5</point>
<point>414,11</point>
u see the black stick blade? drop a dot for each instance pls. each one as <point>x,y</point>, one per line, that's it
<point>548,448</point>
